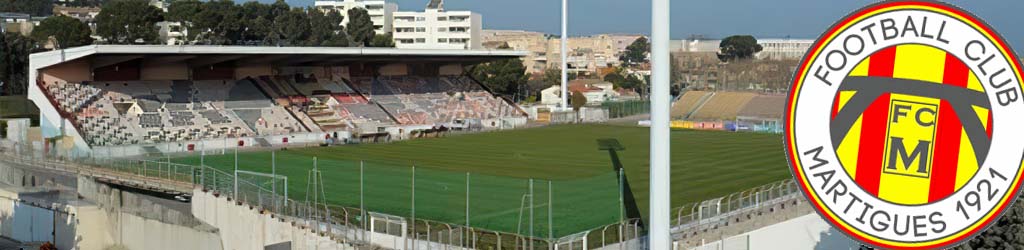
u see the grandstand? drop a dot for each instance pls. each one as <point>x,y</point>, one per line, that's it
<point>126,96</point>
<point>729,110</point>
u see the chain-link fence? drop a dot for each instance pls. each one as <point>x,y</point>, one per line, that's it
<point>428,208</point>
<point>619,109</point>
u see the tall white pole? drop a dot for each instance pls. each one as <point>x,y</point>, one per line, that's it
<point>660,169</point>
<point>564,53</point>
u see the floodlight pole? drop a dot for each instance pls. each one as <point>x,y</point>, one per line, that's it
<point>660,168</point>
<point>564,54</point>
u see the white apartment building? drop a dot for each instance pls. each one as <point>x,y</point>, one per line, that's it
<point>771,48</point>
<point>695,45</point>
<point>783,49</point>
<point>436,28</point>
<point>380,11</point>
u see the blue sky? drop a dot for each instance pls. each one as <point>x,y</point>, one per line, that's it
<point>711,18</point>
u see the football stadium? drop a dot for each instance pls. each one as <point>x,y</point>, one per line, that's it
<point>398,142</point>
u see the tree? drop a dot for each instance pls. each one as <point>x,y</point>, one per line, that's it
<point>258,19</point>
<point>622,79</point>
<point>290,29</point>
<point>66,31</point>
<point>636,52</point>
<point>128,22</point>
<point>184,11</point>
<point>738,47</point>
<point>577,100</point>
<point>31,7</point>
<point>1003,234</point>
<point>632,82</point>
<point>383,40</point>
<point>14,51</point>
<point>615,78</point>
<point>553,76</point>
<point>360,27</point>
<point>218,22</point>
<point>326,29</point>
<point>504,77</point>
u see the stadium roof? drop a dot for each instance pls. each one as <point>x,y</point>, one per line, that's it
<point>318,56</point>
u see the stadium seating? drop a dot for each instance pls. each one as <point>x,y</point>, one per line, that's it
<point>433,100</point>
<point>132,112</point>
<point>687,103</point>
<point>723,106</point>
<point>765,106</point>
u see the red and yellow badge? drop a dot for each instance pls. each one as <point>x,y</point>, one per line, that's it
<point>903,125</point>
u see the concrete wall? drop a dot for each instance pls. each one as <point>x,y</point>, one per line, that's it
<point>74,71</point>
<point>394,69</point>
<point>804,232</point>
<point>450,70</point>
<point>245,227</point>
<point>135,232</point>
<point>164,71</point>
<point>253,70</point>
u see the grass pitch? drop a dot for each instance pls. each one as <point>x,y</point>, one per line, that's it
<point>584,187</point>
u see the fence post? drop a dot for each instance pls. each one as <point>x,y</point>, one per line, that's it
<point>551,230</point>
<point>273,178</point>
<point>467,202</point>
<point>362,207</point>
<point>531,214</point>
<point>413,206</point>
<point>235,175</point>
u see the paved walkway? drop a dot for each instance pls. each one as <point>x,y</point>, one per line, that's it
<point>102,174</point>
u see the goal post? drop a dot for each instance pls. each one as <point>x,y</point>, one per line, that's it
<point>273,183</point>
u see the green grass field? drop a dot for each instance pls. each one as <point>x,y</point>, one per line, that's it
<point>705,164</point>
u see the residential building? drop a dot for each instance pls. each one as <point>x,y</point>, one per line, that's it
<point>695,45</point>
<point>437,28</point>
<point>18,23</point>
<point>84,14</point>
<point>171,33</point>
<point>534,42</point>
<point>591,53</point>
<point>783,49</point>
<point>380,11</point>
<point>596,91</point>
<point>771,48</point>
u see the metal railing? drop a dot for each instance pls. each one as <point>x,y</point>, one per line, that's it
<point>348,225</point>
<point>714,212</point>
